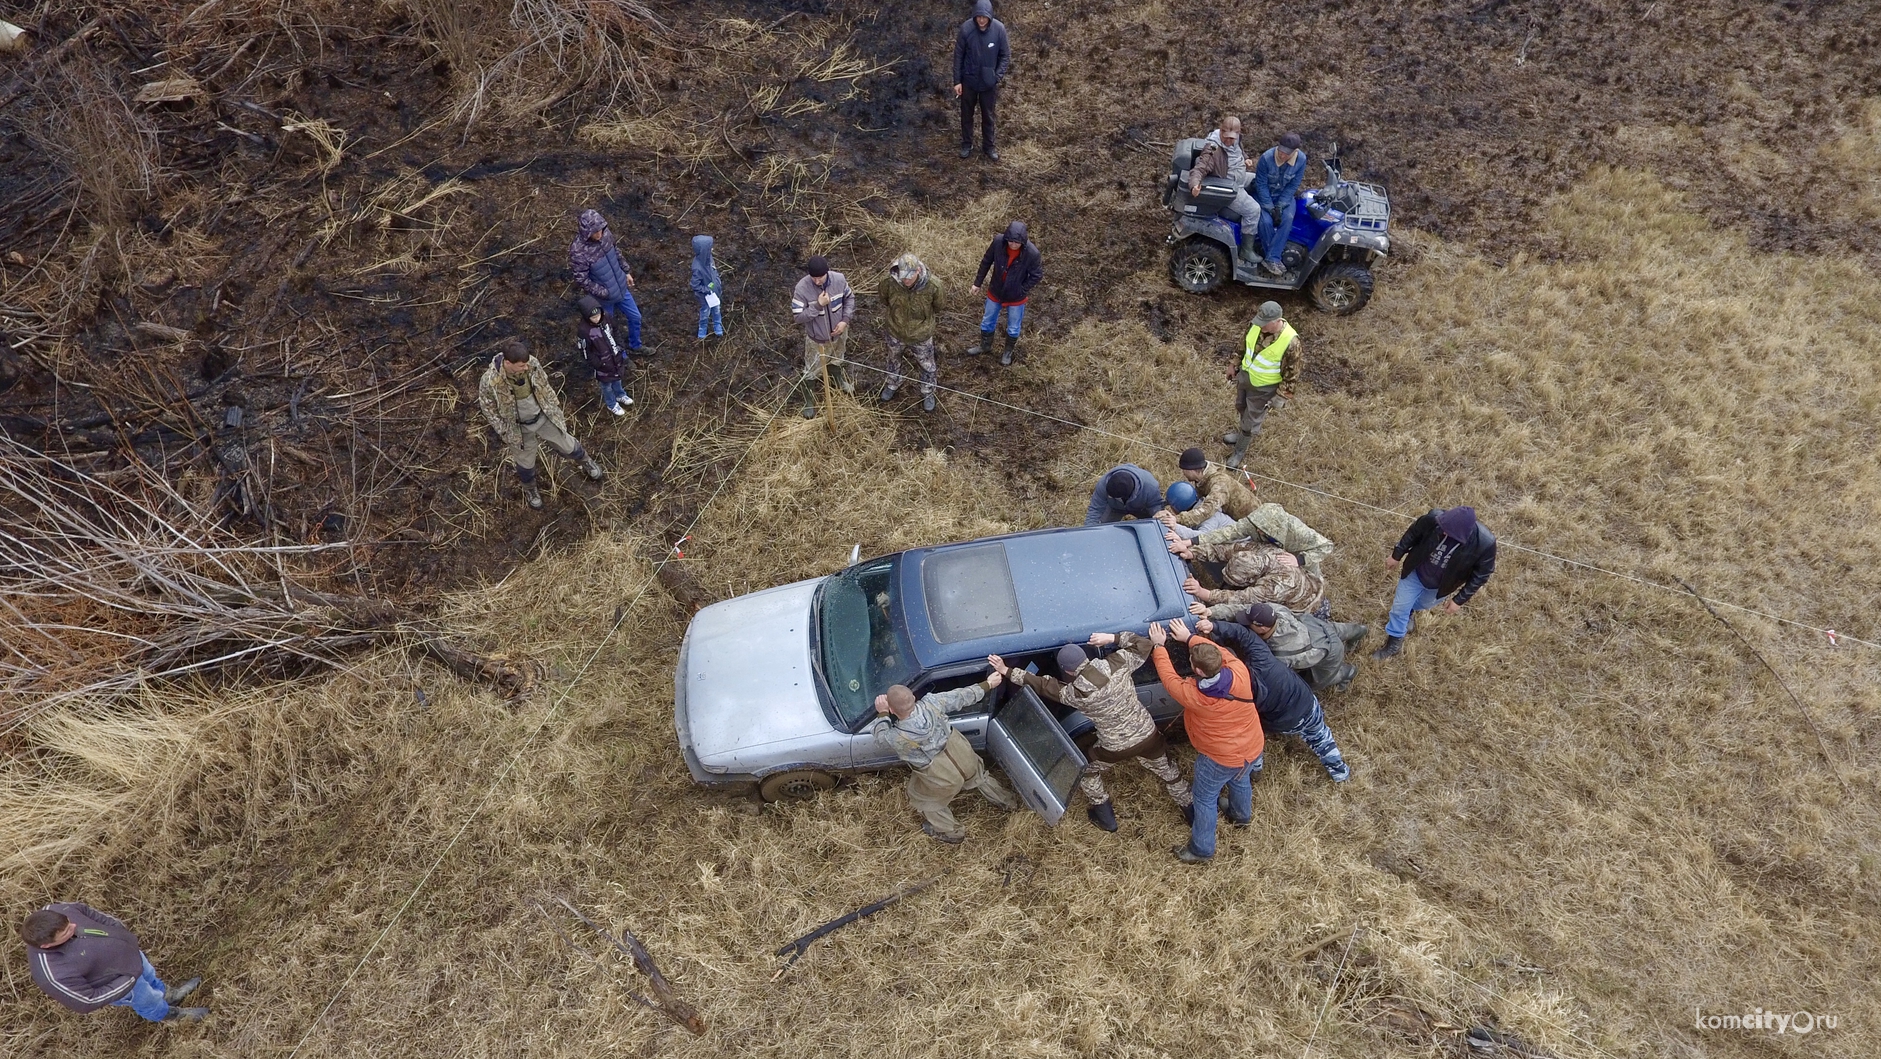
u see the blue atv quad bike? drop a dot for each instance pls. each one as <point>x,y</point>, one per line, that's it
<point>1339,231</point>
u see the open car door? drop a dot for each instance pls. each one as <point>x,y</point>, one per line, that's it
<point>1035,753</point>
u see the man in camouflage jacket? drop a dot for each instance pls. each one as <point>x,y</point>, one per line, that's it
<point>520,404</point>
<point>1102,688</point>
<point>941,762</point>
<point>1256,572</point>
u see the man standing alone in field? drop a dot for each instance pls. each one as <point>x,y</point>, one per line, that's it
<point>1446,551</point>
<point>941,761</point>
<point>911,306</point>
<point>982,58</point>
<point>1269,367</point>
<point>520,405</point>
<point>87,960</point>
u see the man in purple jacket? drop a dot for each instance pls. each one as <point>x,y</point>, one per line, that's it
<point>87,960</point>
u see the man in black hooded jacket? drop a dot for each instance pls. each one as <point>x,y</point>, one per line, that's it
<point>1446,551</point>
<point>981,60</point>
<point>1009,270</point>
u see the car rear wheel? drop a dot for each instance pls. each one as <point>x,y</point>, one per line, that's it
<point>1199,266</point>
<point>796,786</point>
<point>1341,289</point>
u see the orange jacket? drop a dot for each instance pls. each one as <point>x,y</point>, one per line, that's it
<point>1227,730</point>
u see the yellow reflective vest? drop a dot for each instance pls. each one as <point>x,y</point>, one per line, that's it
<point>1263,367</point>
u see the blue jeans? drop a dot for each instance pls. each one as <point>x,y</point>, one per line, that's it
<point>146,996</point>
<point>1312,728</point>
<point>713,315</point>
<point>1210,777</point>
<point>1274,236</point>
<point>1413,595</point>
<point>991,320</point>
<point>630,312</point>
<point>612,393</point>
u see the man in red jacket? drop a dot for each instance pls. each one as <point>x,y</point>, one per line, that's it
<point>1009,270</point>
<point>87,960</point>
<point>1218,713</point>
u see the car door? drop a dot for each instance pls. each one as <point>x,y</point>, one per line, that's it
<point>1032,748</point>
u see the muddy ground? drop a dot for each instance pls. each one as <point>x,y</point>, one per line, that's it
<point>347,316</point>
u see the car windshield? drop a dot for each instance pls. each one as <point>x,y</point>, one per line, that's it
<point>860,649</point>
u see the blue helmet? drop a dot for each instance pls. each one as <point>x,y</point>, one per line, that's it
<point>1181,496</point>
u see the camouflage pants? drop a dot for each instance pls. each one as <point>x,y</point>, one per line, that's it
<point>923,353</point>
<point>1091,782</point>
<point>955,769</point>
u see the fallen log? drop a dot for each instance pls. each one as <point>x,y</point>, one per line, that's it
<point>802,945</point>
<point>667,1000</point>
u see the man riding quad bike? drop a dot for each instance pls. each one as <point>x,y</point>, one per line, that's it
<point>1334,234</point>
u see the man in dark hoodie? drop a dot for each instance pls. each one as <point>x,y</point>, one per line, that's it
<point>982,59</point>
<point>1009,270</point>
<point>1446,551</point>
<point>87,960</point>
<point>598,270</point>
<point>603,354</point>
<point>1286,705</point>
<point>707,287</point>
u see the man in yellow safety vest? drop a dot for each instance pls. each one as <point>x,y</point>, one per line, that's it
<point>1267,371</point>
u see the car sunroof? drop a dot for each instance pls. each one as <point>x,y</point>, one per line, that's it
<point>969,593</point>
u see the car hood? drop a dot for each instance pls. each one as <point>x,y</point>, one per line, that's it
<point>748,678</point>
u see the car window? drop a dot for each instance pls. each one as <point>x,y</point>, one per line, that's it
<point>953,682</point>
<point>861,649</point>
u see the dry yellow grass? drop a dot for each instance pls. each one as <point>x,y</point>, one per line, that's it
<point>1579,810</point>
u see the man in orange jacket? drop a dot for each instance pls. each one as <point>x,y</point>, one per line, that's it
<point>1224,727</point>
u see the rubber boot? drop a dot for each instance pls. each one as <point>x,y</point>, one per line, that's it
<point>590,468</point>
<point>888,393</point>
<point>1352,634</point>
<point>1005,356</point>
<point>1232,437</point>
<point>927,402</point>
<point>1393,645</point>
<point>1240,453</point>
<point>1103,815</point>
<point>839,375</point>
<point>186,1015</point>
<point>985,344</point>
<point>532,496</point>
<point>177,992</point>
<point>1346,673</point>
<point>808,390</point>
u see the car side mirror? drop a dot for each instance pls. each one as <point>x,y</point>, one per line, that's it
<point>855,554</point>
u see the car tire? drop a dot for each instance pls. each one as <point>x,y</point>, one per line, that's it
<point>1340,289</point>
<point>796,785</point>
<point>1199,266</point>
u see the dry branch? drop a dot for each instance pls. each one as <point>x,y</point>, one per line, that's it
<point>667,1000</point>
<point>802,945</point>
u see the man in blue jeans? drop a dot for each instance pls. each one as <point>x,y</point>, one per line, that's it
<point>87,960</point>
<point>1009,270</point>
<point>1276,187</point>
<point>1286,705</point>
<point>1444,553</point>
<point>597,268</point>
<point>1218,713</point>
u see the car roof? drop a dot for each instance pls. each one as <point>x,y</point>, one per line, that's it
<point>1028,592</point>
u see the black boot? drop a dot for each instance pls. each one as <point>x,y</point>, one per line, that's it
<point>1393,645</point>
<point>839,375</point>
<point>186,1015</point>
<point>985,343</point>
<point>808,390</point>
<point>1346,673</point>
<point>177,992</point>
<point>1005,356</point>
<point>1103,816</point>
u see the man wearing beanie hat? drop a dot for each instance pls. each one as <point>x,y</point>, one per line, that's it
<point>1218,489</point>
<point>1276,188</point>
<point>822,304</point>
<point>1286,705</point>
<point>1124,491</point>
<point>1103,689</point>
<point>1444,553</point>
<point>1218,713</point>
<point>911,307</point>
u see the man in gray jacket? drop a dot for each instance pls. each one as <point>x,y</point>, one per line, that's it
<point>822,304</point>
<point>1308,644</point>
<point>87,960</point>
<point>941,761</point>
<point>1105,691</point>
<point>982,58</point>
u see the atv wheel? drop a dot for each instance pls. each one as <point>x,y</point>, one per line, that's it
<point>1341,289</point>
<point>796,786</point>
<point>1199,266</point>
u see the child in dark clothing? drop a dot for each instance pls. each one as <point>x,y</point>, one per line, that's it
<point>707,286</point>
<point>604,356</point>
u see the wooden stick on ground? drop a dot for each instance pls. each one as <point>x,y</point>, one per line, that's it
<point>802,945</point>
<point>668,1001</point>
